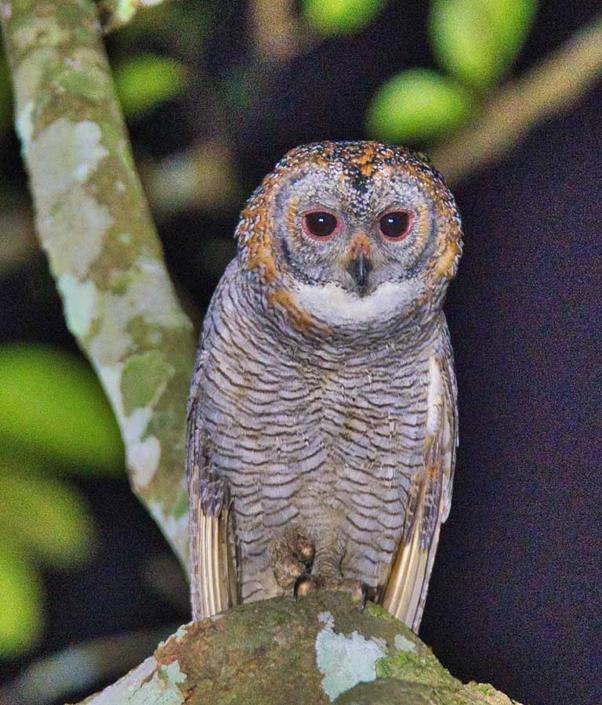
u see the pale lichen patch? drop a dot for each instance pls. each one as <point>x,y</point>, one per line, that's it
<point>143,452</point>
<point>172,673</point>
<point>143,457</point>
<point>29,74</point>
<point>73,224</point>
<point>64,155</point>
<point>153,296</point>
<point>78,300</point>
<point>40,31</point>
<point>180,633</point>
<point>76,250</point>
<point>24,122</point>
<point>344,661</point>
<point>402,643</point>
<point>112,341</point>
<point>143,291</point>
<point>161,689</point>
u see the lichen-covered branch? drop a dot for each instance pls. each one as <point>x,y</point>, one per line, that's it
<point>94,224</point>
<point>551,87</point>
<point>321,649</point>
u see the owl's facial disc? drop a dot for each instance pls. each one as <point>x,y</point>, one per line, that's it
<point>357,235</point>
<point>352,231</point>
<point>356,251</point>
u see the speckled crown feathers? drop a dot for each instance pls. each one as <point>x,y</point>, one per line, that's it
<point>360,161</point>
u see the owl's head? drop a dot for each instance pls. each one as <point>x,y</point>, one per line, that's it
<point>352,231</point>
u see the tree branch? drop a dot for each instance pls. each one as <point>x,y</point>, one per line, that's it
<point>94,224</point>
<point>551,87</point>
<point>321,649</point>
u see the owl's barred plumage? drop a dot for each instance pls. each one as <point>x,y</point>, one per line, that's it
<point>323,402</point>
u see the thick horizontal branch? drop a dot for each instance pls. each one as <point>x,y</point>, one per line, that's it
<point>321,649</point>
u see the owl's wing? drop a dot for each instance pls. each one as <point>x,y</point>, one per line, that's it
<point>211,572</point>
<point>428,501</point>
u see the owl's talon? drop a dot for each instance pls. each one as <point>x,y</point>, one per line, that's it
<point>303,585</point>
<point>369,593</point>
<point>365,596</point>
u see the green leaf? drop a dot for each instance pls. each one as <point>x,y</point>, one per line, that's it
<point>45,516</point>
<point>21,618</point>
<point>52,404</point>
<point>332,17</point>
<point>417,106</point>
<point>145,81</point>
<point>477,40</point>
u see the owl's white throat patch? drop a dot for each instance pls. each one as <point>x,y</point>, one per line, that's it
<point>334,305</point>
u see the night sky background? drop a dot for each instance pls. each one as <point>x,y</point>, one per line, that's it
<point>516,593</point>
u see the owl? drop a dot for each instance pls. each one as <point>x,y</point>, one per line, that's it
<point>322,422</point>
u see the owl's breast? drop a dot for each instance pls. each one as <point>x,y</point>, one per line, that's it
<point>313,439</point>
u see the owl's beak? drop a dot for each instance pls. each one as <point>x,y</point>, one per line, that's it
<point>360,270</point>
<point>359,262</point>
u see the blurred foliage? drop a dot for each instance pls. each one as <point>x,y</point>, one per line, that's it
<point>52,404</point>
<point>20,625</point>
<point>49,522</point>
<point>476,41</point>
<point>418,105</point>
<point>54,420</point>
<point>332,17</point>
<point>146,80</point>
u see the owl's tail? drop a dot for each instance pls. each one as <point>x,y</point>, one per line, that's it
<point>407,587</point>
<point>212,582</point>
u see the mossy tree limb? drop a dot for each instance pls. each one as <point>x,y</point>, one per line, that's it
<point>321,649</point>
<point>94,224</point>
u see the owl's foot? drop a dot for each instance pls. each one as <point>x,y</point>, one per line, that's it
<point>292,559</point>
<point>360,592</point>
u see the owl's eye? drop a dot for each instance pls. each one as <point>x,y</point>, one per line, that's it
<point>395,225</point>
<point>320,225</point>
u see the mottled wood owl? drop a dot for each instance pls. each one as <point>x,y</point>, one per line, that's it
<point>322,420</point>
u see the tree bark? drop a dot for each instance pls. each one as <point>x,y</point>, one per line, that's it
<point>321,649</point>
<point>104,253</point>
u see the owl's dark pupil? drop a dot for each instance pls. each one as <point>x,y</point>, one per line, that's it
<point>395,225</point>
<point>321,224</point>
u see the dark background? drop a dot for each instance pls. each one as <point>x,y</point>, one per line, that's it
<point>515,597</point>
